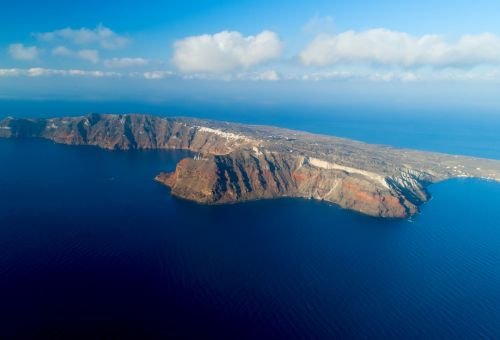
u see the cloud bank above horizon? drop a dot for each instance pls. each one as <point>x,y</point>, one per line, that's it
<point>385,47</point>
<point>378,54</point>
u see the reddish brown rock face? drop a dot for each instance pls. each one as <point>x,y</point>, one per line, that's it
<point>361,196</point>
<point>241,177</point>
<point>192,181</point>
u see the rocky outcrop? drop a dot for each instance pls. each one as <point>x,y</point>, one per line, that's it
<point>234,162</point>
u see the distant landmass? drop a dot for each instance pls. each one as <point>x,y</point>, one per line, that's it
<point>234,162</point>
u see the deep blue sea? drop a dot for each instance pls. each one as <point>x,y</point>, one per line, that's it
<point>92,247</point>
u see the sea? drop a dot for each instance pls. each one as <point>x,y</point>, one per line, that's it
<point>91,247</point>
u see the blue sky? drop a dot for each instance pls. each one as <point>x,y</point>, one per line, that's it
<point>445,52</point>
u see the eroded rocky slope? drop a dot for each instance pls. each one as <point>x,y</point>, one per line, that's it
<point>234,162</point>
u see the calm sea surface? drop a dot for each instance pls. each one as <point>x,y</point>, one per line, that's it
<point>92,247</point>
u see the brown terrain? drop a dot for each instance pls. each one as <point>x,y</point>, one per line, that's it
<point>235,162</point>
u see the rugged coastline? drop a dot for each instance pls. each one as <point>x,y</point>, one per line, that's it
<point>235,162</point>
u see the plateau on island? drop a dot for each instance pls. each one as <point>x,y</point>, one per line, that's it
<point>234,162</point>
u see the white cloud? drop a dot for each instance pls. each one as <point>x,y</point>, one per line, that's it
<point>21,52</point>
<point>425,75</point>
<point>270,75</point>
<point>225,51</point>
<point>385,47</point>
<point>126,62</point>
<point>9,72</point>
<point>101,35</point>
<point>439,75</point>
<point>39,72</point>
<point>404,77</point>
<point>61,51</point>
<point>89,55</point>
<point>257,76</point>
<point>326,75</point>
<point>157,74</point>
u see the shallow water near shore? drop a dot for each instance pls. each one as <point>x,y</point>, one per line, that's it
<point>90,244</point>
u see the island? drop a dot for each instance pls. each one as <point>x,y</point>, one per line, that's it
<point>234,162</point>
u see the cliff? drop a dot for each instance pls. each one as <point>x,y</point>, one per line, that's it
<point>235,162</point>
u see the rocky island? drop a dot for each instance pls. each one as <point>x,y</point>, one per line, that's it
<point>234,162</point>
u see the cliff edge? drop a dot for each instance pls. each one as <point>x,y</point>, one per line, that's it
<point>235,162</point>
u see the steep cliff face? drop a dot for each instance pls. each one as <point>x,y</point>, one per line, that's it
<point>236,162</point>
<point>242,176</point>
<point>116,132</point>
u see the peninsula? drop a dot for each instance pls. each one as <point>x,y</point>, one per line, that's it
<point>234,162</point>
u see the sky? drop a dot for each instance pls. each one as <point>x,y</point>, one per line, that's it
<point>433,53</point>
